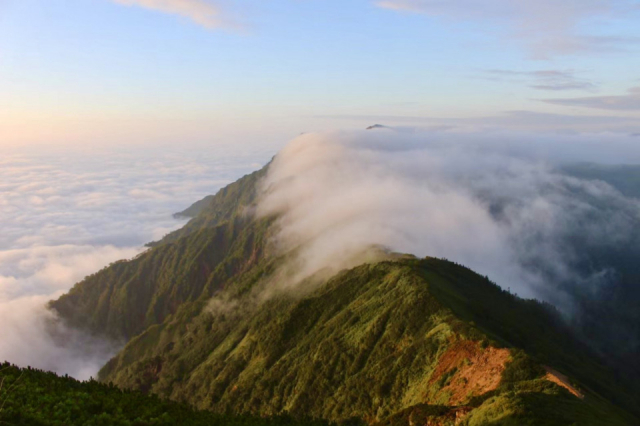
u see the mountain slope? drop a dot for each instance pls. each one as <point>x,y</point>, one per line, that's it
<point>211,320</point>
<point>125,298</point>
<point>373,341</point>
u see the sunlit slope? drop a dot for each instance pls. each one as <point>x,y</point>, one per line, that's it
<point>374,341</point>
<point>128,296</point>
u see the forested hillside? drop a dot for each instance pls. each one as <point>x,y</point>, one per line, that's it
<point>376,340</point>
<point>210,321</point>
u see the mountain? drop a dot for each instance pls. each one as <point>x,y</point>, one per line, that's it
<point>208,320</point>
<point>193,262</point>
<point>377,126</point>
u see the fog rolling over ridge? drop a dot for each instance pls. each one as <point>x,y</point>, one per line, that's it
<point>502,204</point>
<point>499,204</point>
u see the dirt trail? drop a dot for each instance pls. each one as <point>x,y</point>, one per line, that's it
<point>562,380</point>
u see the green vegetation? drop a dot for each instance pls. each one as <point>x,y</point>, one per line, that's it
<point>127,297</point>
<point>369,343</point>
<point>385,342</point>
<point>33,397</point>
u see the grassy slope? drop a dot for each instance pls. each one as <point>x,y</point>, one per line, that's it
<point>125,298</point>
<point>368,343</point>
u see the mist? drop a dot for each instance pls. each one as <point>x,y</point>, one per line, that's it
<point>498,203</point>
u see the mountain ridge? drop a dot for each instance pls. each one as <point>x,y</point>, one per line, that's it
<point>200,330</point>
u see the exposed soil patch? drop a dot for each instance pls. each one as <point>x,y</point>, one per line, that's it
<point>466,370</point>
<point>562,380</point>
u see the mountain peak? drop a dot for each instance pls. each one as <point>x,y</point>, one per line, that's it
<point>377,126</point>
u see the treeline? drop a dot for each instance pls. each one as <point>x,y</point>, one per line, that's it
<point>34,397</point>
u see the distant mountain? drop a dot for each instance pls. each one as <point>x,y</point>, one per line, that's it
<point>398,341</point>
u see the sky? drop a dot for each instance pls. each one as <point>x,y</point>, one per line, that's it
<point>259,72</point>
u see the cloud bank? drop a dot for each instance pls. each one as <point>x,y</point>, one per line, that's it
<point>67,214</point>
<point>548,27</point>
<point>497,203</point>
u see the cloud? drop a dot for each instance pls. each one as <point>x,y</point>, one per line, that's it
<point>68,214</point>
<point>547,27</point>
<point>629,102</point>
<point>201,12</point>
<point>496,203</point>
<point>32,335</point>
<point>48,270</point>
<point>554,80</point>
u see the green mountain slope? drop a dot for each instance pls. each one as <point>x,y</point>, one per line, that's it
<point>373,341</point>
<point>125,298</point>
<point>34,397</point>
<point>402,340</point>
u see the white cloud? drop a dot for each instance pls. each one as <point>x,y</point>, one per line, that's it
<point>202,12</point>
<point>493,202</point>
<point>548,27</point>
<point>66,215</point>
<point>32,335</point>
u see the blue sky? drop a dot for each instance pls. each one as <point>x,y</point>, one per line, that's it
<point>262,71</point>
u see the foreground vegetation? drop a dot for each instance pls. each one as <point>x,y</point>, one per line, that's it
<point>34,397</point>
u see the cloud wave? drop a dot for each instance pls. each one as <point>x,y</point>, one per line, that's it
<point>498,203</point>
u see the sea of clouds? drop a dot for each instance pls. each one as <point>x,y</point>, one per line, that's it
<point>68,212</point>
